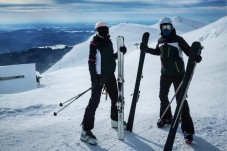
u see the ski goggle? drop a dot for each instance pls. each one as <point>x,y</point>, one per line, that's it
<point>103,29</point>
<point>168,26</point>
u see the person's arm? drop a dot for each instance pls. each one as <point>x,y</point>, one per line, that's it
<point>184,46</point>
<point>155,51</point>
<point>92,61</point>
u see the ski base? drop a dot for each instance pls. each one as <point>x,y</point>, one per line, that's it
<point>120,80</point>
<point>136,93</point>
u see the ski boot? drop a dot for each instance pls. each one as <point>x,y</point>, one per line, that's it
<point>162,122</point>
<point>87,136</point>
<point>114,124</point>
<point>188,137</point>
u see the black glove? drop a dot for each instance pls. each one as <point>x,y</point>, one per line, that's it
<point>123,49</point>
<point>99,80</point>
<point>198,58</point>
<point>143,47</point>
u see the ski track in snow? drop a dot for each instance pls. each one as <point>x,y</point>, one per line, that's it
<point>64,135</point>
<point>32,110</point>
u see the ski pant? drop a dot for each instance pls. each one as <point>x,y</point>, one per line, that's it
<point>165,83</point>
<point>89,116</point>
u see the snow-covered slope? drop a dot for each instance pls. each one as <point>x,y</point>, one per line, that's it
<point>183,25</point>
<point>130,32</point>
<point>27,121</point>
<point>186,25</point>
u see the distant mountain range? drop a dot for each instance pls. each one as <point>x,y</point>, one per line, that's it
<point>43,45</point>
<point>27,38</point>
<point>43,57</point>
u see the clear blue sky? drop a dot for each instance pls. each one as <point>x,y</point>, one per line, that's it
<point>111,11</point>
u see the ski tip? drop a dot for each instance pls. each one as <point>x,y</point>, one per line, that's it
<point>121,37</point>
<point>197,44</point>
<point>146,34</point>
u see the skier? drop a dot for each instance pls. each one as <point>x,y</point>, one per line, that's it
<point>102,66</point>
<point>170,47</point>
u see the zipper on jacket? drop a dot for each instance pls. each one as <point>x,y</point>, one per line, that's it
<point>177,66</point>
<point>168,51</point>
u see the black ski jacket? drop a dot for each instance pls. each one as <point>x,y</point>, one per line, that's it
<point>102,58</point>
<point>170,51</point>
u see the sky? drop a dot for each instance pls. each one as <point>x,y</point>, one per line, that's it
<point>111,11</point>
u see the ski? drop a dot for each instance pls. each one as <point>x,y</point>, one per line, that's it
<point>135,98</point>
<point>120,102</point>
<point>195,50</point>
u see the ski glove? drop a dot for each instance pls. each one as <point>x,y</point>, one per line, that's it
<point>123,49</point>
<point>99,80</point>
<point>143,47</point>
<point>198,58</point>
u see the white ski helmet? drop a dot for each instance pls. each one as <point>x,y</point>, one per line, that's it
<point>165,20</point>
<point>102,30</point>
<point>100,24</point>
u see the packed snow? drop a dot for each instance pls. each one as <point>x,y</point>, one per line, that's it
<point>27,121</point>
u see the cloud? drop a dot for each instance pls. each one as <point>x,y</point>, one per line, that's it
<point>21,2</point>
<point>110,10</point>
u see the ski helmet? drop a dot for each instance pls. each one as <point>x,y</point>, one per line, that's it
<point>166,27</point>
<point>102,30</point>
<point>165,20</point>
<point>100,24</point>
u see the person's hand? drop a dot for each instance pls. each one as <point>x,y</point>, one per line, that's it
<point>143,47</point>
<point>198,58</point>
<point>123,49</point>
<point>99,80</point>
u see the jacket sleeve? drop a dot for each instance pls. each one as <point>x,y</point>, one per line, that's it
<point>184,45</point>
<point>92,60</point>
<point>155,51</point>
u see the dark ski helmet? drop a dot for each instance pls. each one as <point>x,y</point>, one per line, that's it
<point>102,30</point>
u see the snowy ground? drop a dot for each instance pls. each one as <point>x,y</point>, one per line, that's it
<point>28,124</point>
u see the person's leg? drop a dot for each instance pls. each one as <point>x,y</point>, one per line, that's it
<point>89,115</point>
<point>112,90</point>
<point>186,120</point>
<point>165,83</point>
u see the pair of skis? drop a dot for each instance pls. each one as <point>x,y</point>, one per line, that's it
<point>195,51</point>
<point>120,81</point>
<point>120,103</point>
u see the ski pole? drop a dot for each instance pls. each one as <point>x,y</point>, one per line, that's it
<point>61,104</point>
<point>72,100</point>
<point>171,100</point>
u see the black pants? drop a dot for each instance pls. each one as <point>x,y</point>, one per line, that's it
<point>165,83</point>
<point>89,116</point>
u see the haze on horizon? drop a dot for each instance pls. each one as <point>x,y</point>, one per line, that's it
<point>112,11</point>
